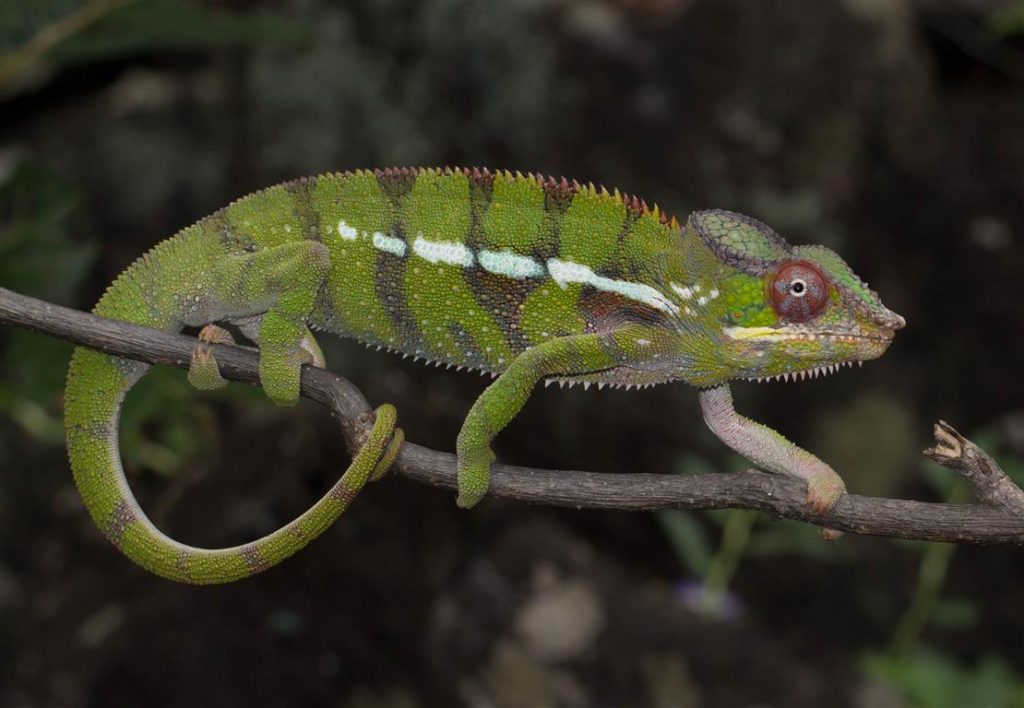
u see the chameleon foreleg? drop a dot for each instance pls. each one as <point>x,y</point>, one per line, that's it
<point>503,399</point>
<point>770,450</point>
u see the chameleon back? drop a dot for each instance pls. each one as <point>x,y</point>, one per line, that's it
<point>467,267</point>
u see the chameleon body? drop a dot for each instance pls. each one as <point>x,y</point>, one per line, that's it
<point>524,277</point>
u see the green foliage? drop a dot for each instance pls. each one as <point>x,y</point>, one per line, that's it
<point>1007,20</point>
<point>39,37</point>
<point>37,257</point>
<point>164,427</point>
<point>172,25</point>
<point>930,680</point>
<point>741,534</point>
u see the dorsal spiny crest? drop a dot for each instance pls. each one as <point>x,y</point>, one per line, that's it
<point>483,177</point>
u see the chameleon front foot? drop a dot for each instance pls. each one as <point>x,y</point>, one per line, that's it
<point>824,491</point>
<point>770,450</point>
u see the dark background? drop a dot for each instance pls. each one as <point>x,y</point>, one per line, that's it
<point>890,130</point>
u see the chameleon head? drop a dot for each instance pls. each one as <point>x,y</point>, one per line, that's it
<point>787,311</point>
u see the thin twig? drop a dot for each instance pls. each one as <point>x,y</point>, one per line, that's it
<point>990,484</point>
<point>984,522</point>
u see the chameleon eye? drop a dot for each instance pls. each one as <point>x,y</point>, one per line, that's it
<point>798,291</point>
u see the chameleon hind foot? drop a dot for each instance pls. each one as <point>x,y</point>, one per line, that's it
<point>203,373</point>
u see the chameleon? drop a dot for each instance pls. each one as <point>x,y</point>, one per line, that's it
<point>524,277</point>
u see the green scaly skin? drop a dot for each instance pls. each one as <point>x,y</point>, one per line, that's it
<point>523,277</point>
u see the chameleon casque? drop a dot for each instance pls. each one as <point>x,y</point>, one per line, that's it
<point>524,277</point>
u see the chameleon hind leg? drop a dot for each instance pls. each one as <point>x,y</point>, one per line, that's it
<point>274,290</point>
<point>770,450</point>
<point>251,327</point>
<point>279,285</point>
<point>203,372</point>
<point>500,402</point>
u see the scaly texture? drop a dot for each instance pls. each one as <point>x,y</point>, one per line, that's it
<point>524,277</point>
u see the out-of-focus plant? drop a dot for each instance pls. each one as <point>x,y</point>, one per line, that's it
<point>922,675</point>
<point>926,679</point>
<point>39,256</point>
<point>1006,21</point>
<point>38,38</point>
<point>746,534</point>
<point>741,534</point>
<point>36,257</point>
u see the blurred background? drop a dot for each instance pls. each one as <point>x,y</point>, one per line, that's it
<point>889,130</point>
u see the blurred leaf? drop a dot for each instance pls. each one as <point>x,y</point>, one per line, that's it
<point>1006,21</point>
<point>688,539</point>
<point>872,440</point>
<point>35,366</point>
<point>930,680</point>
<point>40,36</point>
<point>36,255</point>
<point>947,484</point>
<point>36,420</point>
<point>690,463</point>
<point>955,613</point>
<point>20,21</point>
<point>167,425</point>
<point>1013,466</point>
<point>787,537</point>
<point>173,25</point>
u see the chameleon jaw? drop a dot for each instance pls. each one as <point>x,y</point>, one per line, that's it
<point>851,347</point>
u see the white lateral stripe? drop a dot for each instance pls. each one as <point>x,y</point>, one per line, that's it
<point>682,291</point>
<point>510,264</point>
<point>448,252</point>
<point>391,244</point>
<point>346,232</point>
<point>565,272</point>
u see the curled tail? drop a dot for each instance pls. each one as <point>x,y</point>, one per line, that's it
<point>97,384</point>
<point>96,387</point>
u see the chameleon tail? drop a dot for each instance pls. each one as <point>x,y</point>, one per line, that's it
<point>97,384</point>
<point>96,387</point>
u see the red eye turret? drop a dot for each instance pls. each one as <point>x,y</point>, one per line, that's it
<point>798,291</point>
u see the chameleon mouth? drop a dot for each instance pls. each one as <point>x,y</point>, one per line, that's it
<point>771,334</point>
<point>812,373</point>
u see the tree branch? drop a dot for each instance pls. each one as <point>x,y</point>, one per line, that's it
<point>997,518</point>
